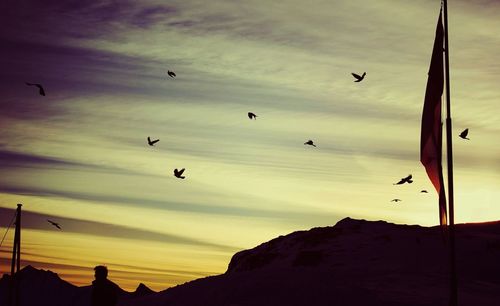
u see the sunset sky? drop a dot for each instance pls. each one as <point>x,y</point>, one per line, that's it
<point>79,155</point>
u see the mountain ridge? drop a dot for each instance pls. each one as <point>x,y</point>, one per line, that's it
<point>354,262</point>
<point>44,287</point>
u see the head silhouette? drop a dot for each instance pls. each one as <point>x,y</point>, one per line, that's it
<point>101,272</point>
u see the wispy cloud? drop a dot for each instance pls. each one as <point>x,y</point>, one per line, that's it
<point>38,221</point>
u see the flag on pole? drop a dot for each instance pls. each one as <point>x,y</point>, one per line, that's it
<point>432,126</point>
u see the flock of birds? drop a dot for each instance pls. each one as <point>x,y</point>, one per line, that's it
<point>252,116</point>
<point>409,178</point>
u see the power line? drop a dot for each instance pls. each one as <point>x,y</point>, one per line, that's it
<point>12,221</point>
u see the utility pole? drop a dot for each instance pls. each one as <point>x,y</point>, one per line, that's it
<point>16,260</point>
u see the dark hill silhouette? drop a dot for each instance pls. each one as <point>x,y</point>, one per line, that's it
<point>39,286</point>
<point>355,262</point>
<point>44,287</point>
<point>142,290</point>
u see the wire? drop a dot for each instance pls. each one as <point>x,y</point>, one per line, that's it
<point>15,213</point>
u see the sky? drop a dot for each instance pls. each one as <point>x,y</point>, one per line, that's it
<point>79,155</point>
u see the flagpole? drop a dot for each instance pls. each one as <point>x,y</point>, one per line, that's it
<point>449,155</point>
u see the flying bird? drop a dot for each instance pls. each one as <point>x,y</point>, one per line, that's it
<point>178,173</point>
<point>423,191</point>
<point>358,77</point>
<point>464,133</point>
<point>396,200</point>
<point>41,91</point>
<point>171,74</point>
<point>407,179</point>
<point>252,116</point>
<point>309,142</point>
<point>54,224</point>
<point>152,142</point>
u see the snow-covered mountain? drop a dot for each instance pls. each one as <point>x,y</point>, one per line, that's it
<point>355,262</point>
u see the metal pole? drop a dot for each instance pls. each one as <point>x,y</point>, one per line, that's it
<point>16,260</point>
<point>18,235</point>
<point>15,246</point>
<point>449,155</point>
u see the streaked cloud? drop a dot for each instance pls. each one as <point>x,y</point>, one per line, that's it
<point>39,222</point>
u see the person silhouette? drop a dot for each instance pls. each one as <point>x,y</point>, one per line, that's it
<point>104,291</point>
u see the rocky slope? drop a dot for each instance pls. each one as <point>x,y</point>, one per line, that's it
<point>355,262</point>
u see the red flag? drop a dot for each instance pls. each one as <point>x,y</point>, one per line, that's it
<point>432,127</point>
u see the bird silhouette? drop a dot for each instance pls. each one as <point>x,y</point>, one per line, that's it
<point>252,116</point>
<point>152,142</point>
<point>54,224</point>
<point>309,142</point>
<point>464,133</point>
<point>396,200</point>
<point>171,74</point>
<point>358,77</point>
<point>178,173</point>
<point>41,91</point>
<point>407,179</point>
<point>423,191</point>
